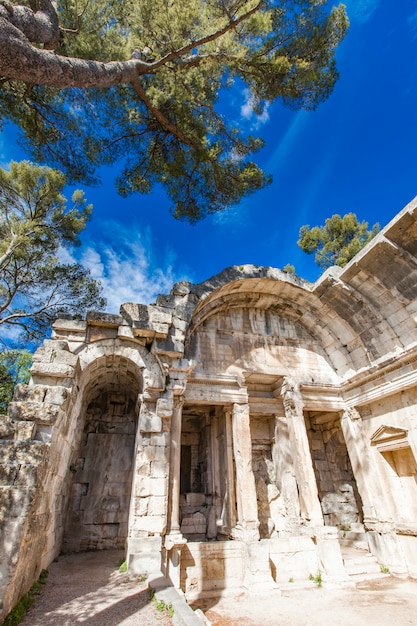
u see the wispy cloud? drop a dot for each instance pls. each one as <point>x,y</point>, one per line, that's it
<point>412,22</point>
<point>248,113</point>
<point>234,218</point>
<point>4,161</point>
<point>361,10</point>
<point>288,143</point>
<point>127,269</point>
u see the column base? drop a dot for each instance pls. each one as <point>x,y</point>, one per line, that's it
<point>174,543</point>
<point>258,575</point>
<point>247,533</point>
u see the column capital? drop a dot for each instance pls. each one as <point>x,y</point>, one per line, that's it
<point>239,408</point>
<point>351,413</point>
<point>291,394</point>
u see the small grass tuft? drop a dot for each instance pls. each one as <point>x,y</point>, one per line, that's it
<point>384,569</point>
<point>316,579</point>
<point>17,614</point>
<point>163,607</point>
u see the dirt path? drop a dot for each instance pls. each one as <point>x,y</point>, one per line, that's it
<point>87,588</point>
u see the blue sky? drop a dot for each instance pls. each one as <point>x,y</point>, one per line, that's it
<point>357,152</point>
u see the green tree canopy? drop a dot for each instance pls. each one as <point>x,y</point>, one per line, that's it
<point>14,369</point>
<point>92,83</point>
<point>35,224</point>
<point>337,242</point>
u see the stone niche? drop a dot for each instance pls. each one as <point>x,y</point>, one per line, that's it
<point>271,509</point>
<point>197,501</point>
<point>400,468</point>
<point>337,490</point>
<point>102,475</point>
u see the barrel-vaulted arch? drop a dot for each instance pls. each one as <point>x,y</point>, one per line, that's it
<point>290,298</point>
<point>340,311</point>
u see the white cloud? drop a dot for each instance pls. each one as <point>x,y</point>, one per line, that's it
<point>361,10</point>
<point>127,271</point>
<point>248,113</point>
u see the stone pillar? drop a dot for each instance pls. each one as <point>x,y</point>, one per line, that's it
<point>147,519</point>
<point>175,468</point>
<point>284,468</point>
<point>303,464</point>
<point>247,527</point>
<point>359,450</point>
<point>174,540</point>
<point>231,498</point>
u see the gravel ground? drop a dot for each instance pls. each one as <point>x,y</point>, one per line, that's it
<point>87,588</point>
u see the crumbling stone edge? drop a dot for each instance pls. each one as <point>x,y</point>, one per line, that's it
<point>183,613</point>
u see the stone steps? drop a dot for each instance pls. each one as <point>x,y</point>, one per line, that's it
<point>358,561</point>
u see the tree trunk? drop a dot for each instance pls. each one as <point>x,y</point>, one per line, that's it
<point>19,60</point>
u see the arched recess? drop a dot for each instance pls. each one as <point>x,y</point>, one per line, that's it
<point>111,378</point>
<point>344,349</point>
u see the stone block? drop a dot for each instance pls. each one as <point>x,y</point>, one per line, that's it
<point>157,505</point>
<point>194,525</point>
<point>159,469</point>
<point>151,487</point>
<point>150,523</point>
<point>164,407</point>
<point>51,370</point>
<point>149,422</point>
<point>7,429</point>
<point>40,412</point>
<point>25,431</point>
<point>195,499</point>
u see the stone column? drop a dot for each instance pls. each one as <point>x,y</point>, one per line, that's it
<point>284,468</point>
<point>359,450</point>
<point>247,527</point>
<point>231,502</point>
<point>175,468</point>
<point>303,464</point>
<point>174,540</point>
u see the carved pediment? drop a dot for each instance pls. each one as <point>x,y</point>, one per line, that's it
<point>389,438</point>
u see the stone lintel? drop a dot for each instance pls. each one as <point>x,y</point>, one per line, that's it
<point>212,393</point>
<point>322,397</point>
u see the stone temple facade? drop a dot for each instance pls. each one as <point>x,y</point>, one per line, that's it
<point>236,434</point>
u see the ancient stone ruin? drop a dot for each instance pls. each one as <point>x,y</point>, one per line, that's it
<point>238,433</point>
